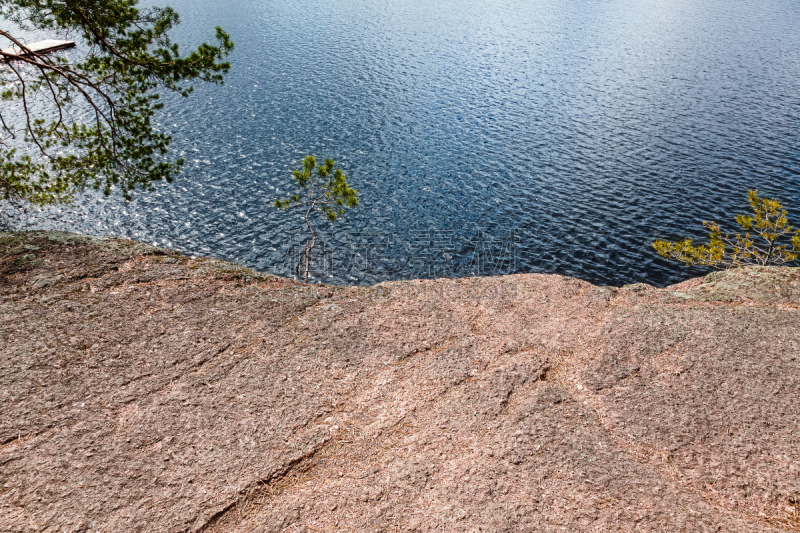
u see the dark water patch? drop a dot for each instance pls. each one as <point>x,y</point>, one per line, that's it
<point>565,135</point>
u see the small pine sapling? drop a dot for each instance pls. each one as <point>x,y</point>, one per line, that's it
<point>768,239</point>
<point>326,192</point>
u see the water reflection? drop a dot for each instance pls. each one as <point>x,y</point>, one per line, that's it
<point>583,129</point>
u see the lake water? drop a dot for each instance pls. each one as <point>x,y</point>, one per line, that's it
<point>484,136</point>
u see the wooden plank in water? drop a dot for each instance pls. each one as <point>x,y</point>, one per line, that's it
<point>42,47</point>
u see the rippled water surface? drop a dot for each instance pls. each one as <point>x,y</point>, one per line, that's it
<point>483,136</point>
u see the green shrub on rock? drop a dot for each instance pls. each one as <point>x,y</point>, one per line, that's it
<point>768,239</point>
<point>325,191</point>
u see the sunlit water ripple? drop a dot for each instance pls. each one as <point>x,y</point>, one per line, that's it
<point>484,137</point>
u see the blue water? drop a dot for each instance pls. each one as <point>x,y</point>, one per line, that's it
<point>484,137</point>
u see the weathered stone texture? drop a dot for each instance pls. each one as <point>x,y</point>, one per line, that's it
<point>141,390</point>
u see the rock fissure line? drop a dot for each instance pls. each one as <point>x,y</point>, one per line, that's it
<point>264,486</point>
<point>664,467</point>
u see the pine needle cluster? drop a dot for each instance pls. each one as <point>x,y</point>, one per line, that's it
<point>767,239</point>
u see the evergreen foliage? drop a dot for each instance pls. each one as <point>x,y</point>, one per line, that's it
<point>325,191</point>
<point>768,239</point>
<point>99,129</point>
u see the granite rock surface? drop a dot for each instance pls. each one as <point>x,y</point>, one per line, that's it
<point>141,390</point>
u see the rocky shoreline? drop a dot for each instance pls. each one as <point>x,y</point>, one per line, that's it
<point>142,390</point>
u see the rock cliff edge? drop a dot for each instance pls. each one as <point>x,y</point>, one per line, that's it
<point>141,390</point>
